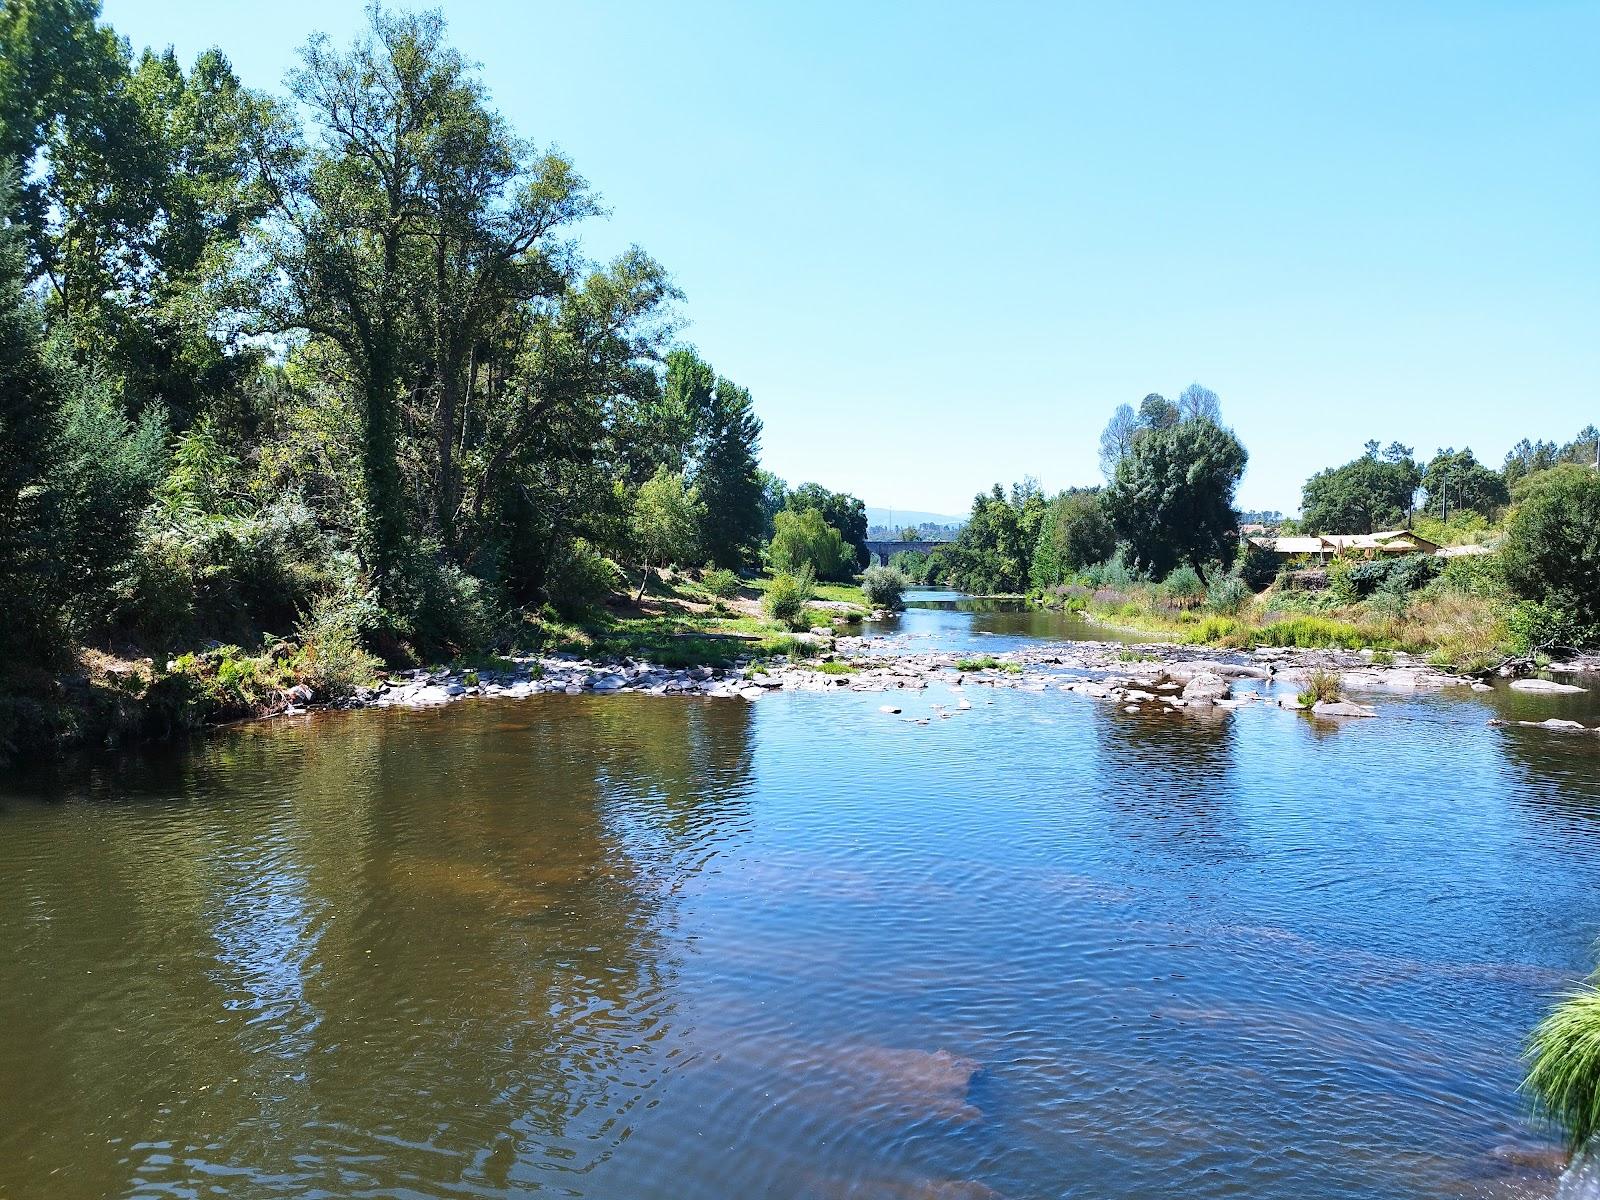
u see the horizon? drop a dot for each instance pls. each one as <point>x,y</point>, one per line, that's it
<point>1352,225</point>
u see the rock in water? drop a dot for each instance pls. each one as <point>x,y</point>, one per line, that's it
<point>1207,687</point>
<point>1543,685</point>
<point>1342,708</point>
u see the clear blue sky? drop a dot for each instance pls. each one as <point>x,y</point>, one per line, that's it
<point>941,242</point>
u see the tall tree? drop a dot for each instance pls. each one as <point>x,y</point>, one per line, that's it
<point>1373,492</point>
<point>1172,499</point>
<point>1199,403</point>
<point>728,478</point>
<point>844,512</point>
<point>1117,438</point>
<point>1456,480</point>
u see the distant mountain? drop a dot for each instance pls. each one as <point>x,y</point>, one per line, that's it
<point>897,518</point>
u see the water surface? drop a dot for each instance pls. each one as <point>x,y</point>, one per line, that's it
<point>645,947</point>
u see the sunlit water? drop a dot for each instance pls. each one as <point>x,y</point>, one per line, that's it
<point>942,620</point>
<point>645,948</point>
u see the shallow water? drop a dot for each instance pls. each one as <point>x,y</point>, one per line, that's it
<point>952,621</point>
<point>637,948</point>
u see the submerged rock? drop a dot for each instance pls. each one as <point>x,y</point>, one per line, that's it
<point>1342,708</point>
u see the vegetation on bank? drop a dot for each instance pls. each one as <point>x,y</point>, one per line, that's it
<point>1563,1055</point>
<point>297,385</point>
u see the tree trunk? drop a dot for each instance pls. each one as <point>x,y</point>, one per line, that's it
<point>644,581</point>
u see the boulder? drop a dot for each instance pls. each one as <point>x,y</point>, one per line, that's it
<point>1207,686</point>
<point>1342,708</point>
<point>1557,725</point>
<point>1543,685</point>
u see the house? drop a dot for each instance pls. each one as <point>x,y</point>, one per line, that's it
<point>1361,545</point>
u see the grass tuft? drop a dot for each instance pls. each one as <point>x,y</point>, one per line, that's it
<point>1563,1054</point>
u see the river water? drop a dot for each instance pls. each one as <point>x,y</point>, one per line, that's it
<point>644,948</point>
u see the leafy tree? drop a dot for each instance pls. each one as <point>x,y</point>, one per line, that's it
<point>774,496</point>
<point>844,512</point>
<point>1527,458</point>
<point>669,427</point>
<point>29,570</point>
<point>1457,480</point>
<point>1551,553</point>
<point>1172,499</point>
<point>1157,412</point>
<point>728,478</point>
<point>1370,493</point>
<point>994,550</point>
<point>665,515</point>
<point>1074,535</point>
<point>910,533</point>
<point>804,541</point>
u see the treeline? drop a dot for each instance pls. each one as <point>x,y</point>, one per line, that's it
<point>1163,525</point>
<point>331,364</point>
<point>1172,469</point>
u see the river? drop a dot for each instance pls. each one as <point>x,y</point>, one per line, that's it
<point>641,948</point>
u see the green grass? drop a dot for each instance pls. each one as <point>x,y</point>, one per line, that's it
<point>1563,1057</point>
<point>1314,633</point>
<point>837,668</point>
<point>988,662</point>
<point>1322,687</point>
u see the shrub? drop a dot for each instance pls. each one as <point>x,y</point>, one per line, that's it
<point>721,582</point>
<point>333,659</point>
<point>1563,1056</point>
<point>1214,630</point>
<point>1473,575</point>
<point>1322,687</point>
<point>1227,594</point>
<point>788,594</point>
<point>581,578</point>
<point>836,668</point>
<point>1183,583</point>
<point>1257,566</point>
<point>884,587</point>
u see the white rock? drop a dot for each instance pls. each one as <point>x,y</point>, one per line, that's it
<point>1342,708</point>
<point>1543,685</point>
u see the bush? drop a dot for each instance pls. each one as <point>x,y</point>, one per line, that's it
<point>1227,594</point>
<point>721,582</point>
<point>333,659</point>
<point>1322,687</point>
<point>1564,1065</point>
<point>1214,630</point>
<point>884,587</point>
<point>1183,583</point>
<point>1257,566</point>
<point>581,578</point>
<point>1473,575</point>
<point>787,597</point>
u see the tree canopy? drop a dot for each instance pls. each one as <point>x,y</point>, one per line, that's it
<point>1172,499</point>
<point>1375,491</point>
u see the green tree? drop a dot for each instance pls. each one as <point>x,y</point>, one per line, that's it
<point>665,514</point>
<point>1551,553</point>
<point>1457,480</point>
<point>910,533</point>
<point>728,478</point>
<point>1370,493</point>
<point>1075,534</point>
<point>804,541</point>
<point>1172,499</point>
<point>1117,438</point>
<point>844,512</point>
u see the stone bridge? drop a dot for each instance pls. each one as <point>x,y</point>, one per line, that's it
<point>882,552</point>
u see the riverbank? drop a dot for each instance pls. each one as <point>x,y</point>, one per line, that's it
<point>124,694</point>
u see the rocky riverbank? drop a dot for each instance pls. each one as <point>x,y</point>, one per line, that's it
<point>1154,677</point>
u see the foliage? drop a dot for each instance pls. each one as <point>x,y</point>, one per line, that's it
<point>1322,687</point>
<point>787,597</point>
<point>1184,584</point>
<point>1073,535</point>
<point>1563,1055</point>
<point>1257,566</point>
<point>994,552</point>
<point>1227,594</point>
<point>664,521</point>
<point>732,518</point>
<point>1311,633</point>
<point>333,658</point>
<point>1551,554</point>
<point>987,662</point>
<point>1172,498</point>
<point>720,582</point>
<point>803,540</point>
<point>581,578</point>
<point>884,587</point>
<point>1457,480</point>
<point>1370,493</point>
<point>843,512</point>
